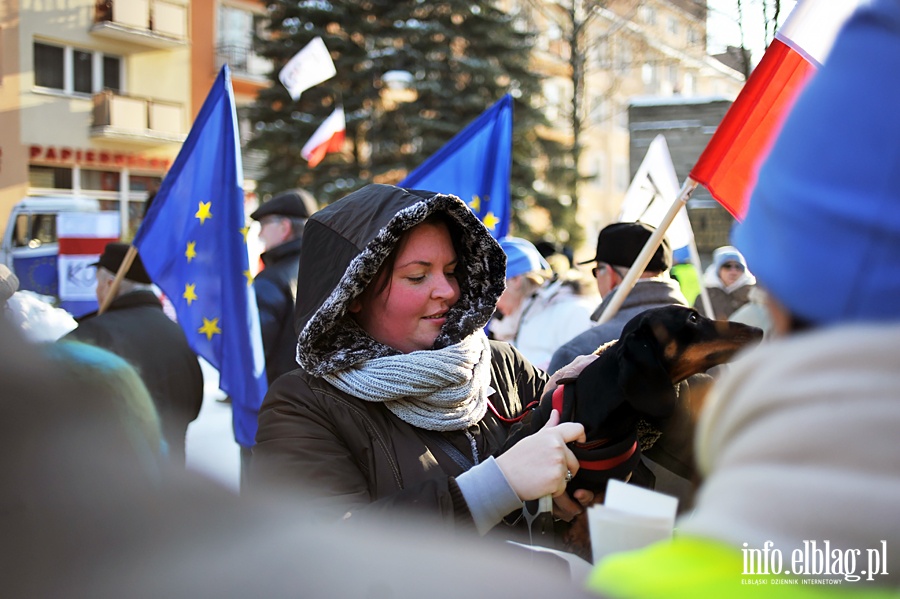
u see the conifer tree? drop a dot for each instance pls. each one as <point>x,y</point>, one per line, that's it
<point>463,55</point>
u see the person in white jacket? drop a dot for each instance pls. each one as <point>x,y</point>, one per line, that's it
<point>34,316</point>
<point>539,310</point>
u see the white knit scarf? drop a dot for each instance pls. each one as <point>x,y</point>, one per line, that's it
<point>439,389</point>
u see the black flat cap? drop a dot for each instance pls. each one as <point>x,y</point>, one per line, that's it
<point>112,257</point>
<point>620,243</point>
<point>296,203</point>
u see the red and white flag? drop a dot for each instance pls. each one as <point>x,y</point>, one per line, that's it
<point>329,137</point>
<point>82,238</point>
<point>310,66</point>
<point>729,165</point>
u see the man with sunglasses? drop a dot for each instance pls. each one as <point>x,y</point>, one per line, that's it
<point>618,245</point>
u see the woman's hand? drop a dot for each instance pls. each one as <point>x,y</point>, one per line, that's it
<point>537,465</point>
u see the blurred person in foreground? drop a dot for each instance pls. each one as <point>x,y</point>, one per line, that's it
<point>618,245</point>
<point>135,328</point>
<point>539,309</point>
<point>82,515</point>
<point>798,441</point>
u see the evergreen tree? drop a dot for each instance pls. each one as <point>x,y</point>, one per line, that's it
<point>462,55</point>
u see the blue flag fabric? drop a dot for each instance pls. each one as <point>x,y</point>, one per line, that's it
<point>475,165</point>
<point>193,243</point>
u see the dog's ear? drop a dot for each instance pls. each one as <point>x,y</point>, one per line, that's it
<point>642,375</point>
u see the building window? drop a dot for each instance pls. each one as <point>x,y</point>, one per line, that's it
<point>72,70</point>
<point>673,26</point>
<point>100,180</point>
<point>48,66</point>
<point>236,43</point>
<point>49,177</point>
<point>83,70</point>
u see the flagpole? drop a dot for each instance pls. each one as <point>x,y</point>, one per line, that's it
<point>643,259</point>
<point>120,274</point>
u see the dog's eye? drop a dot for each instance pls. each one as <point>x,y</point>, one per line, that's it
<point>694,318</point>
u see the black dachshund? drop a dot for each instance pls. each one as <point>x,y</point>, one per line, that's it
<point>639,378</point>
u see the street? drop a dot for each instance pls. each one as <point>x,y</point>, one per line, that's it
<point>210,447</point>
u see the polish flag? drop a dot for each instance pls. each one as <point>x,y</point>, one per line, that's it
<point>729,165</point>
<point>329,137</point>
<point>82,238</point>
<point>310,66</point>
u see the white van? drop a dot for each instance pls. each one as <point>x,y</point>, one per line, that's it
<point>30,246</point>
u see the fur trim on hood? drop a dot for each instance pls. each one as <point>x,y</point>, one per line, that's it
<point>345,244</point>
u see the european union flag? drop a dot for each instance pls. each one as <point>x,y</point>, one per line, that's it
<point>475,165</point>
<point>193,243</point>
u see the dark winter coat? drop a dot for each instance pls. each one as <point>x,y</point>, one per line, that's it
<point>276,294</point>
<point>356,455</point>
<point>136,328</point>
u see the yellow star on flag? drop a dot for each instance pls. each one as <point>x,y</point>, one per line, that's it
<point>249,276</point>
<point>203,212</point>
<point>191,252</point>
<point>476,204</point>
<point>189,292</point>
<point>210,328</point>
<point>244,230</point>
<point>490,220</point>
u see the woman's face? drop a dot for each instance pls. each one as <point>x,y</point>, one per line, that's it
<point>409,312</point>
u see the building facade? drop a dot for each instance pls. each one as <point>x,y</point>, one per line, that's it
<point>97,96</point>
<point>597,57</point>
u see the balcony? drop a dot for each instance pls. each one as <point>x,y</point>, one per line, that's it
<point>141,121</point>
<point>244,62</point>
<point>157,24</point>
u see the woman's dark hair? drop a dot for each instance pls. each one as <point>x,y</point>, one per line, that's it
<point>455,230</point>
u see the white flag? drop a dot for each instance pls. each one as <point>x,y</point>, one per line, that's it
<point>310,66</point>
<point>651,193</point>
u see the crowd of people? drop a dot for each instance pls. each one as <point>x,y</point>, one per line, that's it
<point>406,351</point>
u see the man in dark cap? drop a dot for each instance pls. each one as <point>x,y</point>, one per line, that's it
<point>135,328</point>
<point>281,221</point>
<point>618,245</point>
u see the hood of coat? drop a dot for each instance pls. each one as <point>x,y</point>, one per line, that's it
<point>345,243</point>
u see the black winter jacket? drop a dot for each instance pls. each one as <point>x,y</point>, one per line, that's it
<point>136,328</point>
<point>276,295</point>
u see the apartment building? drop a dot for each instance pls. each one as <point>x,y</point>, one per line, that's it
<point>627,49</point>
<point>97,96</point>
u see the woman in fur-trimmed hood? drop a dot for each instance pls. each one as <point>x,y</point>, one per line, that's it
<point>401,402</point>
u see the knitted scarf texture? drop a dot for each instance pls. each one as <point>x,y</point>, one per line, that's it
<point>442,389</point>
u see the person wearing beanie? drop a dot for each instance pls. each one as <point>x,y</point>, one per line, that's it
<point>728,282</point>
<point>618,245</point>
<point>797,441</point>
<point>135,328</point>
<point>539,310</point>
